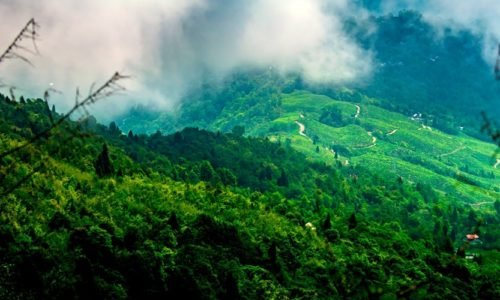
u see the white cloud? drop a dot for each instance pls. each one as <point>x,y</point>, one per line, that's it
<point>168,44</point>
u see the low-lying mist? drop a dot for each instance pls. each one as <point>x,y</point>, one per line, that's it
<point>170,46</point>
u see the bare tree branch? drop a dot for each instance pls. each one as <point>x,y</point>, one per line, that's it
<point>12,95</point>
<point>29,31</point>
<point>109,88</point>
<point>17,51</point>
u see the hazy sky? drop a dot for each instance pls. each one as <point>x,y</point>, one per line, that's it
<point>167,44</point>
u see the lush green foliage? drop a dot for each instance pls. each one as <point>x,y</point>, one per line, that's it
<point>211,215</point>
<point>419,116</point>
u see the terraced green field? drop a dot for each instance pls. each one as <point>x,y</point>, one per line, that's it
<point>388,143</point>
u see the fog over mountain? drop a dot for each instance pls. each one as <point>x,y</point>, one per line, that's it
<point>169,46</point>
<point>478,16</point>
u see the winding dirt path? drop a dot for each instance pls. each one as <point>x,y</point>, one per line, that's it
<point>497,163</point>
<point>482,203</point>
<point>374,139</point>
<point>452,152</point>
<point>302,128</point>
<point>425,127</point>
<point>358,111</point>
<point>392,132</point>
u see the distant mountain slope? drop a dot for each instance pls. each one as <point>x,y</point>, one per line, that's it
<point>387,143</point>
<point>442,82</point>
<point>418,67</point>
<point>362,133</point>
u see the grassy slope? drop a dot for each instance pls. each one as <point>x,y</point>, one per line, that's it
<point>413,152</point>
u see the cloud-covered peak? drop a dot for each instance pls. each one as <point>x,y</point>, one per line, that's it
<point>169,45</point>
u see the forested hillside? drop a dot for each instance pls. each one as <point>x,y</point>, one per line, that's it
<point>92,211</point>
<point>417,70</point>
<point>443,74</point>
<point>418,117</point>
<point>332,130</point>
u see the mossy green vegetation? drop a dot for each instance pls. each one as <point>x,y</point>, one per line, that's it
<point>388,143</point>
<point>396,145</point>
<point>211,215</point>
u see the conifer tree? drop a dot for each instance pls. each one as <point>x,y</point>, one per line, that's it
<point>283,179</point>
<point>113,129</point>
<point>327,224</point>
<point>103,166</point>
<point>352,222</point>
<point>206,171</point>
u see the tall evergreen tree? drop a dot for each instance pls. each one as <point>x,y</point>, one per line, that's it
<point>103,166</point>
<point>352,222</point>
<point>207,172</point>
<point>283,179</point>
<point>113,129</point>
<point>327,224</point>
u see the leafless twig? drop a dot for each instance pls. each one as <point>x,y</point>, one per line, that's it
<point>12,95</point>
<point>108,89</point>
<point>14,50</point>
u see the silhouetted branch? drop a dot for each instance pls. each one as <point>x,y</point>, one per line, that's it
<point>28,32</point>
<point>109,88</point>
<point>12,95</point>
<point>16,51</point>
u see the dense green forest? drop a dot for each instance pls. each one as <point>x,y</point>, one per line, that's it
<point>92,211</point>
<point>347,126</point>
